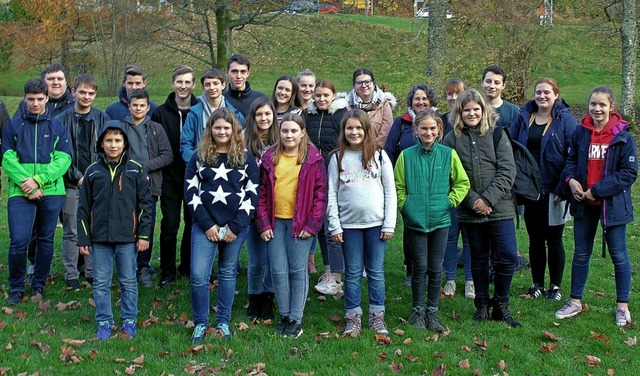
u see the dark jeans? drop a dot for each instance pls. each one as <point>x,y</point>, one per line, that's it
<point>406,251</point>
<point>331,251</point>
<point>427,252</point>
<point>451,253</point>
<point>144,257</point>
<point>541,237</point>
<point>499,236</point>
<point>172,207</point>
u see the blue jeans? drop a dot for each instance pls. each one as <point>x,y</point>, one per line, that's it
<point>331,251</point>
<point>364,250</point>
<point>203,252</point>
<point>103,255</point>
<point>451,253</point>
<point>427,252</point>
<point>583,234</point>
<point>258,271</point>
<point>144,257</point>
<point>26,217</point>
<point>499,237</point>
<point>288,256</point>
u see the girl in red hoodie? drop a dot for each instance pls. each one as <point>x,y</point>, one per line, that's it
<point>601,168</point>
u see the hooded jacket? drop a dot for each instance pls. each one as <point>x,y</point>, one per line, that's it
<point>242,99</point>
<point>323,126</point>
<point>115,203</point>
<point>555,143</point>
<point>311,196</point>
<point>619,172</point>
<point>35,146</point>
<point>491,174</point>
<point>120,109</point>
<point>160,154</point>
<point>401,136</point>
<point>54,107</point>
<point>96,118</point>
<point>173,121</point>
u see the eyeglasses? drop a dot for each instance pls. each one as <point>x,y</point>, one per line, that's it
<point>364,83</point>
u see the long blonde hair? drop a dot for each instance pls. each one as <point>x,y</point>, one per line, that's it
<point>489,115</point>
<point>207,149</point>
<point>304,142</point>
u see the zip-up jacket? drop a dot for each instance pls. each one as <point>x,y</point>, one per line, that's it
<point>160,154</point>
<point>311,196</point>
<point>401,136</point>
<point>35,146</point>
<point>96,118</point>
<point>54,107</point>
<point>173,121</point>
<point>242,99</point>
<point>115,204</point>
<point>619,172</point>
<point>323,126</point>
<point>555,143</point>
<point>428,183</point>
<point>120,109</point>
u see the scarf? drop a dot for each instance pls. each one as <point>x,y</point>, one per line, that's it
<point>356,102</point>
<point>207,110</point>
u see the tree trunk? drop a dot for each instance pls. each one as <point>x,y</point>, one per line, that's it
<point>436,50</point>
<point>223,35</point>
<point>629,35</point>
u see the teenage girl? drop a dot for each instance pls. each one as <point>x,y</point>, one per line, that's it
<point>285,96</point>
<point>361,215</point>
<point>601,168</point>
<point>429,179</point>
<point>291,210</point>
<point>259,135</point>
<point>220,191</point>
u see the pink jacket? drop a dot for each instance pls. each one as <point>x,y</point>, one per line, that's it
<point>311,196</point>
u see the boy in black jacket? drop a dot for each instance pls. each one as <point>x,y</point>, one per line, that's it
<point>114,220</point>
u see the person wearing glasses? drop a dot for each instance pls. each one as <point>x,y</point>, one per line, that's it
<point>378,104</point>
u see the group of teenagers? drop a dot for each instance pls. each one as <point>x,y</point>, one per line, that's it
<point>310,166</point>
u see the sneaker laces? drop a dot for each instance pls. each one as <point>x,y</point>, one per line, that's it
<point>354,323</point>
<point>199,330</point>
<point>376,322</point>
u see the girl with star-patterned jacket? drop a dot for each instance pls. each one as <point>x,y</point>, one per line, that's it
<point>220,190</point>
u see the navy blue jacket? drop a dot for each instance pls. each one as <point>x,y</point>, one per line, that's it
<point>619,172</point>
<point>555,143</point>
<point>401,136</point>
<point>120,109</point>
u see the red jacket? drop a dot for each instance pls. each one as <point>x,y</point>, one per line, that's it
<point>311,196</point>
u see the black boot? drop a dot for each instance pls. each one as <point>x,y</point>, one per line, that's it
<point>432,323</point>
<point>501,313</point>
<point>255,306</point>
<point>267,306</point>
<point>482,309</point>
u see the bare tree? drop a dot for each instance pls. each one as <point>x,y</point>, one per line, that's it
<point>437,48</point>
<point>203,30</point>
<point>629,35</point>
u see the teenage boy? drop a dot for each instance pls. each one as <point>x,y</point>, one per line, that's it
<point>494,82</point>
<point>134,78</point>
<point>239,92</point>
<point>83,123</point>
<point>114,221</point>
<point>172,116</point>
<point>213,84</point>
<point>148,145</point>
<point>35,155</point>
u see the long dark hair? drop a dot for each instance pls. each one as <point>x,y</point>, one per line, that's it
<point>252,140</point>
<point>369,144</point>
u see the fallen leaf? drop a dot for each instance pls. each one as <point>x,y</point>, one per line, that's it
<point>398,352</point>
<point>411,358</point>
<point>242,326</point>
<point>334,318</point>
<point>383,339</point>
<point>74,342</point>
<point>600,337</point>
<point>163,354</point>
<point>267,322</point>
<point>7,310</point>
<point>36,298</point>
<point>548,348</point>
<point>130,370</point>
<point>139,360</point>
<point>476,372</point>
<point>395,367</point>
<point>601,294</point>
<point>8,347</point>
<point>502,365</point>
<point>632,341</point>
<point>433,338</point>
<point>120,360</point>
<point>465,348</point>
<point>482,345</point>
<point>592,361</point>
<point>407,341</point>
<point>464,364</point>
<point>439,354</point>
<point>611,372</point>
<point>398,332</point>
<point>551,336</point>
<point>2,324</point>
<point>21,314</point>
<point>93,354</point>
<point>455,315</point>
<point>322,298</point>
<point>352,334</point>
<point>229,353</point>
<point>440,370</point>
<point>355,354</point>
<point>382,356</point>
<point>44,306</point>
<point>92,303</point>
<point>61,306</point>
<point>156,304</point>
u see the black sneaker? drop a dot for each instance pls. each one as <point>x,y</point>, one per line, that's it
<point>554,293</point>
<point>432,322</point>
<point>482,310</point>
<point>267,306</point>
<point>282,325</point>
<point>501,313</point>
<point>255,306</point>
<point>73,285</point>
<point>165,281</point>
<point>536,291</point>
<point>293,329</point>
<point>15,298</point>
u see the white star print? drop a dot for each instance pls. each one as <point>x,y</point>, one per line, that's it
<point>243,173</point>
<point>251,187</point>
<point>200,166</point>
<point>246,206</point>
<point>194,182</point>
<point>241,194</point>
<point>219,195</point>
<point>195,201</point>
<point>221,172</point>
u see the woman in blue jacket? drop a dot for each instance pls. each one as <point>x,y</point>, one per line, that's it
<point>545,126</point>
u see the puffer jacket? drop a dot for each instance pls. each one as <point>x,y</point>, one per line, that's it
<point>491,174</point>
<point>555,143</point>
<point>311,196</point>
<point>323,126</point>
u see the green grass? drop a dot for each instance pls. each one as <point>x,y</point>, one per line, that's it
<point>333,47</point>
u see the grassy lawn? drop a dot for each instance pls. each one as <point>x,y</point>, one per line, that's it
<point>43,338</point>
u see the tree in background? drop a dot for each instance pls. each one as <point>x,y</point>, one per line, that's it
<point>629,37</point>
<point>437,49</point>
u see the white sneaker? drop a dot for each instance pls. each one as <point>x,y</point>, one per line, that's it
<point>328,285</point>
<point>322,282</point>
<point>469,290</point>
<point>450,288</point>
